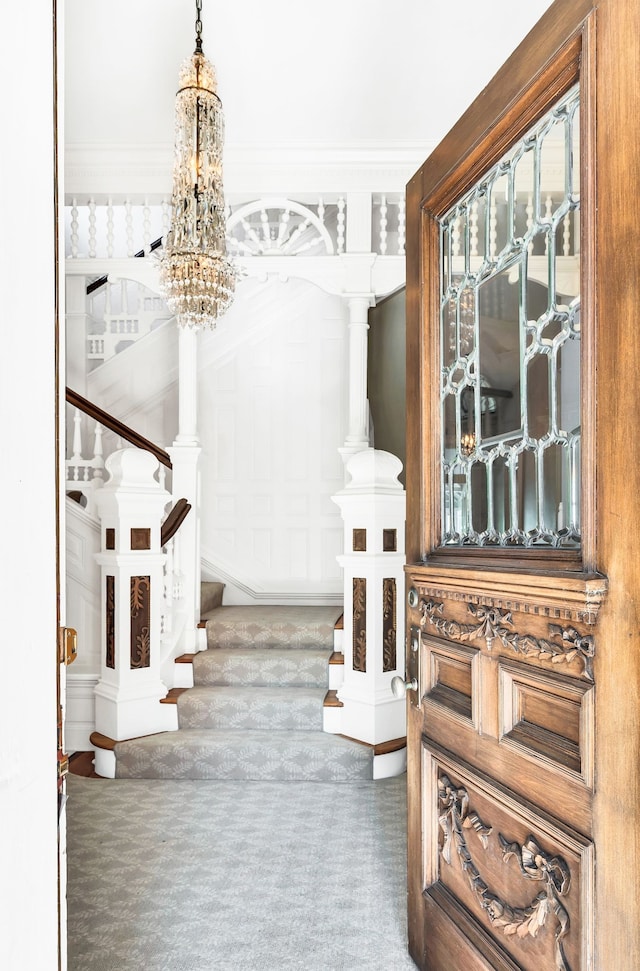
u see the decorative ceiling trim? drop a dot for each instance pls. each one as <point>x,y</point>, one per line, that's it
<point>102,170</point>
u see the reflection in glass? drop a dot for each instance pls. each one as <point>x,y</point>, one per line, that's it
<point>510,338</point>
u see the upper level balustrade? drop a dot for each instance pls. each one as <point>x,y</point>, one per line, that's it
<point>263,227</point>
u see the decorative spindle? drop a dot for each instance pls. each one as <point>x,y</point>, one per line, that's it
<point>76,458</point>
<point>402,223</point>
<point>321,210</point>
<point>98,461</point>
<point>165,219</point>
<point>74,230</point>
<point>128,219</point>
<point>92,229</point>
<point>109,229</point>
<point>340,226</point>
<point>283,227</point>
<point>383,226</point>
<point>264,223</point>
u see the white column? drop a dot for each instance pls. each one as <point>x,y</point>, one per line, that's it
<point>76,332</point>
<point>187,386</point>
<point>373,510</point>
<point>185,456</point>
<point>185,480</point>
<point>131,508</point>
<point>358,403</point>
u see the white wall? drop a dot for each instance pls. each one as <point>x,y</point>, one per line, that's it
<point>272,416</point>
<point>28,797</point>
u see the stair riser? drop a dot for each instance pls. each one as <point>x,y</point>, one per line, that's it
<point>263,717</point>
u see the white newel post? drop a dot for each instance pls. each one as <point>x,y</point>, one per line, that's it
<point>185,457</point>
<point>373,510</point>
<point>131,508</point>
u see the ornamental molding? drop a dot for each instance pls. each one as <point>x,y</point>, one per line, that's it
<point>456,819</point>
<point>493,623</point>
<point>577,598</point>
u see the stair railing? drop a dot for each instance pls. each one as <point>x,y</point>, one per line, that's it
<point>85,475</point>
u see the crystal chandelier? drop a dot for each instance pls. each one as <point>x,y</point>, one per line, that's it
<point>197,278</point>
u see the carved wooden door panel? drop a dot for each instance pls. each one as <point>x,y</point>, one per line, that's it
<point>522,529</point>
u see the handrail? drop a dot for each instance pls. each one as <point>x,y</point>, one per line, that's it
<point>174,521</point>
<point>100,282</point>
<point>93,411</point>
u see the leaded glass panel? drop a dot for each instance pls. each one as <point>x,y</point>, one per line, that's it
<point>510,346</point>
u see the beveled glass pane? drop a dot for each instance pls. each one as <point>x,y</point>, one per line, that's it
<point>510,338</point>
<point>500,352</point>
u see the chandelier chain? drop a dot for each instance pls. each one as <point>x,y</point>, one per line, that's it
<point>198,27</point>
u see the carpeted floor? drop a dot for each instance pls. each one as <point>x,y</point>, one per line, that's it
<point>236,876</point>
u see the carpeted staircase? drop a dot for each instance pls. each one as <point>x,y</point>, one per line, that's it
<point>255,710</point>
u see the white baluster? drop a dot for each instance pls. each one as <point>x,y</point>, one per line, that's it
<point>109,229</point>
<point>98,461</point>
<point>283,228</point>
<point>264,220</point>
<point>146,228</point>
<point>340,226</point>
<point>92,229</point>
<point>165,218</point>
<point>162,476</point>
<point>77,438</point>
<point>321,210</point>
<point>128,218</point>
<point>74,230</point>
<point>402,224</point>
<point>383,226</point>
<point>473,226</point>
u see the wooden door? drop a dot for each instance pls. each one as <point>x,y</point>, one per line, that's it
<point>523,493</point>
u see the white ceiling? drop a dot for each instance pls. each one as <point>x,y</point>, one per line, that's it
<point>331,75</point>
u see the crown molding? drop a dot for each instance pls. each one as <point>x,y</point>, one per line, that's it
<point>101,171</point>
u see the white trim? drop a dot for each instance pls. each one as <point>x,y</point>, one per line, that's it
<point>214,570</point>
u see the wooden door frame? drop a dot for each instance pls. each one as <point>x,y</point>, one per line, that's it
<point>563,45</point>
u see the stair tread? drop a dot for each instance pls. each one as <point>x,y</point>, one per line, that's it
<point>252,755</point>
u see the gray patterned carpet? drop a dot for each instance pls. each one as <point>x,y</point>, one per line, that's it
<point>261,876</point>
<point>256,709</point>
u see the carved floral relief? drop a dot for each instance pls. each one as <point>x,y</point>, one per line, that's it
<point>388,624</point>
<point>456,819</point>
<point>492,623</point>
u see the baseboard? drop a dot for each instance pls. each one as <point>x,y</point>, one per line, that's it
<point>241,591</point>
<point>79,711</point>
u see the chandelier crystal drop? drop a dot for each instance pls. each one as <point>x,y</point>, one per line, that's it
<point>197,278</point>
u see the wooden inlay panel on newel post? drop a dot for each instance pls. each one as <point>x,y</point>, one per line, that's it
<point>140,622</point>
<point>360,624</point>
<point>389,624</point>
<point>110,621</point>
